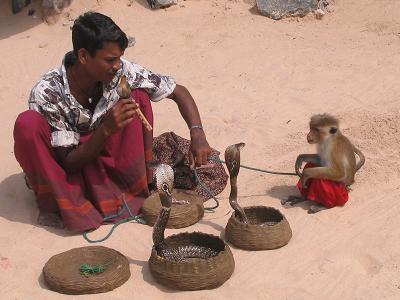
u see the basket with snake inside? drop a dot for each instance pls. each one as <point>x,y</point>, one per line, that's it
<point>253,227</point>
<point>185,261</point>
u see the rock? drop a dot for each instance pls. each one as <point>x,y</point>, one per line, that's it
<point>161,3</point>
<point>319,13</point>
<point>131,41</point>
<point>18,5</point>
<point>278,9</point>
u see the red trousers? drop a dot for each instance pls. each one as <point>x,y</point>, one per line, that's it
<point>84,198</point>
<point>326,192</point>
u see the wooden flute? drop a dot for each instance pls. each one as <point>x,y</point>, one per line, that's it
<point>125,92</point>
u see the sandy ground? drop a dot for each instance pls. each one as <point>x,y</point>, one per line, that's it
<point>255,80</point>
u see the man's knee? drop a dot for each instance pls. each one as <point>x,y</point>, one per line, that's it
<point>29,125</point>
<point>141,97</point>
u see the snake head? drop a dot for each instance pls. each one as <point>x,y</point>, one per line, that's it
<point>123,89</point>
<point>232,158</point>
<point>164,181</point>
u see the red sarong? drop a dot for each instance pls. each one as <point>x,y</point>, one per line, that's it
<point>326,192</point>
<point>84,198</point>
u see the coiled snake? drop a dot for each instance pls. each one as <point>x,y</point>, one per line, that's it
<point>164,176</point>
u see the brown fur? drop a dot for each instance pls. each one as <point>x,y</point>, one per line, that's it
<point>336,158</point>
<point>323,120</point>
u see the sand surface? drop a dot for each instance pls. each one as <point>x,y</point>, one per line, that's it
<point>256,81</point>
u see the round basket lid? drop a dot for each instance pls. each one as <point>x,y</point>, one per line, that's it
<point>182,215</point>
<point>62,272</point>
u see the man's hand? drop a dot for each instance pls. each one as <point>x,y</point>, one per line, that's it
<point>73,158</point>
<point>120,115</point>
<point>199,149</point>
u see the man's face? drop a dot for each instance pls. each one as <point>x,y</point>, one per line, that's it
<point>105,63</point>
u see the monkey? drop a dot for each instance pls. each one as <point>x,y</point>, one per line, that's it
<point>335,161</point>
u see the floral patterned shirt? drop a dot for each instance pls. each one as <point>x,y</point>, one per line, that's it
<point>52,98</point>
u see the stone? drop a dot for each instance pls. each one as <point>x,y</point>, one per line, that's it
<point>278,9</point>
<point>161,3</point>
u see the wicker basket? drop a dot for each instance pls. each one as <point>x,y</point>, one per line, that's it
<point>62,271</point>
<point>195,273</point>
<point>255,237</point>
<point>182,215</point>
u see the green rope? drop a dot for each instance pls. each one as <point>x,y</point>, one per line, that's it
<point>87,269</point>
<point>131,217</point>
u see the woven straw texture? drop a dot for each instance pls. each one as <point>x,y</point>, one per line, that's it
<point>182,215</point>
<point>61,272</point>
<point>255,237</point>
<point>194,273</point>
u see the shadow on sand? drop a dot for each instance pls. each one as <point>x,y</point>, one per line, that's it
<point>11,24</point>
<point>18,204</point>
<point>148,277</point>
<point>281,192</point>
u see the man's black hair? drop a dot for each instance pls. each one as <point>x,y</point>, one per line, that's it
<point>91,30</point>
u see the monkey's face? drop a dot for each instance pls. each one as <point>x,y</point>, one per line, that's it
<point>318,135</point>
<point>313,135</point>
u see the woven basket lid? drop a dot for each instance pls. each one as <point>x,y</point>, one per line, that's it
<point>182,215</point>
<point>62,271</point>
<point>255,237</point>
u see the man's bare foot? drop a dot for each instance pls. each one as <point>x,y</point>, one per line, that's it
<point>51,220</point>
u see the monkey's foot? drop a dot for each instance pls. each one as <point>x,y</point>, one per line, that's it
<point>50,220</point>
<point>316,208</point>
<point>292,200</point>
<point>180,202</point>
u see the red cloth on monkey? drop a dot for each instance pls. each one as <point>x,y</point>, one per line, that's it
<point>326,192</point>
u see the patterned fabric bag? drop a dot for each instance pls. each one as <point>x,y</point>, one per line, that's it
<point>171,149</point>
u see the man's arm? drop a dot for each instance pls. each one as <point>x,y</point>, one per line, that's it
<point>73,159</point>
<point>199,148</point>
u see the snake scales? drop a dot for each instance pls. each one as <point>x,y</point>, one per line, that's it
<point>164,176</point>
<point>232,160</point>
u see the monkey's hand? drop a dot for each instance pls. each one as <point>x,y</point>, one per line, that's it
<point>311,158</point>
<point>297,165</point>
<point>304,178</point>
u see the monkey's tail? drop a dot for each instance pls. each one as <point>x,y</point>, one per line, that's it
<point>361,157</point>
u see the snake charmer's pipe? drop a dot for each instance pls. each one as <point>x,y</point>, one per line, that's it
<point>232,160</point>
<point>124,92</point>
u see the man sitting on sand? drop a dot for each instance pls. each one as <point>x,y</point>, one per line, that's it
<point>80,146</point>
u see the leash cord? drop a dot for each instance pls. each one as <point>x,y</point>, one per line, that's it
<point>207,190</point>
<point>131,217</point>
<point>254,169</point>
<point>211,195</point>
